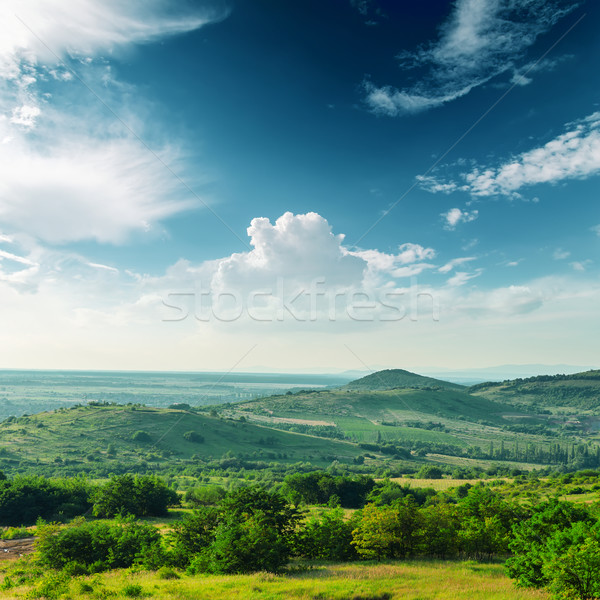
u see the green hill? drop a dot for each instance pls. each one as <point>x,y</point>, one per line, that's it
<point>399,378</point>
<point>113,438</point>
<point>424,414</point>
<point>579,391</point>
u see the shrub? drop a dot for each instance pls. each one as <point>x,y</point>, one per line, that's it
<point>133,590</point>
<point>141,496</point>
<point>193,436</point>
<point>430,472</point>
<point>87,547</point>
<point>24,499</point>
<point>141,436</point>
<point>328,537</point>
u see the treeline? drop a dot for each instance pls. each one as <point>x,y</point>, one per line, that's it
<point>25,499</point>
<point>554,544</point>
<point>252,529</point>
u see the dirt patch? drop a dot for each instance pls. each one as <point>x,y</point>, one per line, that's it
<point>12,549</point>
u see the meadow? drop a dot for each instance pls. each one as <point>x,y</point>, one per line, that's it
<point>388,580</point>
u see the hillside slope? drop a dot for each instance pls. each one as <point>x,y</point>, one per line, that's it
<point>88,438</point>
<point>399,378</point>
<point>579,391</point>
<point>407,414</point>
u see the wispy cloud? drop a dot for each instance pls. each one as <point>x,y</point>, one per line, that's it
<point>455,216</point>
<point>480,40</point>
<point>574,154</point>
<point>456,262</point>
<point>36,30</point>
<point>580,265</point>
<point>560,254</point>
<point>94,178</point>
<point>461,277</point>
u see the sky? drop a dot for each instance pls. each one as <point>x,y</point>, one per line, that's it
<point>319,186</point>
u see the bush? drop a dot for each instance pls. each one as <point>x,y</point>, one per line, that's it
<point>251,530</point>
<point>328,537</point>
<point>133,590</point>
<point>193,436</point>
<point>24,499</point>
<point>141,496</point>
<point>430,472</point>
<point>208,495</point>
<point>141,436</point>
<point>88,547</point>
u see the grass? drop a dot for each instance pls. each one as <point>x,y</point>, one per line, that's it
<point>439,485</point>
<point>80,437</point>
<point>410,580</point>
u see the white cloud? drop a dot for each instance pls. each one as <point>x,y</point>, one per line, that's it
<point>461,277</point>
<point>85,189</point>
<point>560,254</point>
<point>297,248</point>
<point>580,265</point>
<point>40,30</point>
<point>455,216</point>
<point>456,262</point>
<point>25,115</point>
<point>596,230</point>
<point>101,317</point>
<point>69,171</point>
<point>480,40</point>
<point>574,154</point>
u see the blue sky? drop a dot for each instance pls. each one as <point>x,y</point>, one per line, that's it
<point>316,185</point>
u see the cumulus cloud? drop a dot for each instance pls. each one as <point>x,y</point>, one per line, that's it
<point>596,230</point>
<point>455,216</point>
<point>574,154</point>
<point>98,315</point>
<point>480,40</point>
<point>300,248</point>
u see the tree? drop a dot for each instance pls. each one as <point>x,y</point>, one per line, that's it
<point>142,496</point>
<point>327,537</point>
<point>530,539</point>
<point>572,563</point>
<point>388,531</point>
<point>430,472</point>
<point>95,546</point>
<point>251,530</point>
<point>245,546</point>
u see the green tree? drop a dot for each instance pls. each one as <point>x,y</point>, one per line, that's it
<point>388,531</point>
<point>327,536</point>
<point>142,496</point>
<point>572,563</point>
<point>530,539</point>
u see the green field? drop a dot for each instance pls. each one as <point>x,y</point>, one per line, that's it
<point>410,580</point>
<point>77,438</point>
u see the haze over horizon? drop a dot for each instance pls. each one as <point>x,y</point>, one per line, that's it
<point>215,185</point>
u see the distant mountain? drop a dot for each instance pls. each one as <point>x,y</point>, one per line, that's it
<point>399,378</point>
<point>577,390</point>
